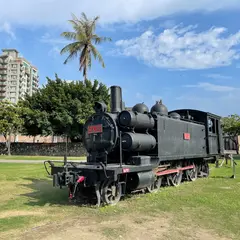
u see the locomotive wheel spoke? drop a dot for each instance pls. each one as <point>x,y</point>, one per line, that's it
<point>174,179</point>
<point>192,174</point>
<point>111,192</point>
<point>155,186</point>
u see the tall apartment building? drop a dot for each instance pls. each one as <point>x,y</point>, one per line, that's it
<point>17,76</point>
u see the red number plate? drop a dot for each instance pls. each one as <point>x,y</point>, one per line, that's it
<point>95,129</point>
<point>186,136</point>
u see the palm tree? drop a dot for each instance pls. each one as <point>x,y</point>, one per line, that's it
<point>83,36</point>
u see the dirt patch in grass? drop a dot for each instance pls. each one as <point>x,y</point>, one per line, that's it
<point>134,226</point>
<point>116,227</point>
<point>16,213</point>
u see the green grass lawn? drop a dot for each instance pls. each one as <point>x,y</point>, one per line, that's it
<point>29,200</point>
<point>14,157</point>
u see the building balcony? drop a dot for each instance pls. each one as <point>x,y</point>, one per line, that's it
<point>4,62</point>
<point>3,78</point>
<point>3,90</point>
<point>27,71</point>
<point>2,67</point>
<point>2,95</point>
<point>3,72</point>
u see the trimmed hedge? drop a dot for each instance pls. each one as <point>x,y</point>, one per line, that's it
<point>44,149</point>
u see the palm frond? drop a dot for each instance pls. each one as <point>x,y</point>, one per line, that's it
<point>99,40</point>
<point>84,17</point>
<point>69,35</point>
<point>97,55</point>
<point>93,24</point>
<point>74,17</point>
<point>70,56</point>
<point>74,21</point>
<point>70,47</point>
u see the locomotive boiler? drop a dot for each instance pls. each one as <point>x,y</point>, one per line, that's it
<point>139,149</point>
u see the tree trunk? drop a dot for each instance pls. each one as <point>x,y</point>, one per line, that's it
<point>6,141</point>
<point>9,145</point>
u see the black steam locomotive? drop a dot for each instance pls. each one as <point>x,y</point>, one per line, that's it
<point>140,150</point>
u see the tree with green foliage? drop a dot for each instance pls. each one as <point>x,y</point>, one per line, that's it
<point>231,127</point>
<point>35,121</point>
<point>61,108</point>
<point>10,121</point>
<point>84,38</point>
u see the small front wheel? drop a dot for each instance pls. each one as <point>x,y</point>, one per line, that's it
<point>111,192</point>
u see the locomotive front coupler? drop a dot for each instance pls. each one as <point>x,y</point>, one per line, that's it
<point>73,186</point>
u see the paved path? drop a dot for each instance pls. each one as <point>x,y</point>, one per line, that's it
<point>41,161</point>
<point>34,161</point>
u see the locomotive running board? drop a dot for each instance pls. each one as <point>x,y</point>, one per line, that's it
<point>177,170</point>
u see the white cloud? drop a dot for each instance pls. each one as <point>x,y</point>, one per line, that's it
<point>212,87</point>
<point>55,12</point>
<point>218,76</point>
<point>7,28</point>
<point>183,48</point>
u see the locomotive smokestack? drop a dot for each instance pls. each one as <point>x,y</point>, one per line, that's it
<point>116,99</point>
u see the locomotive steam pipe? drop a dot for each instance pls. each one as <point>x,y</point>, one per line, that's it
<point>116,99</point>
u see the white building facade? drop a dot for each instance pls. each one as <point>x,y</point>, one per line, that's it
<point>17,76</point>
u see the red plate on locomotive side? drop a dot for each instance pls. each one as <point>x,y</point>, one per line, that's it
<point>186,136</point>
<point>95,129</point>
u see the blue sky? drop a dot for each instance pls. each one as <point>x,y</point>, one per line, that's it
<point>182,52</point>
